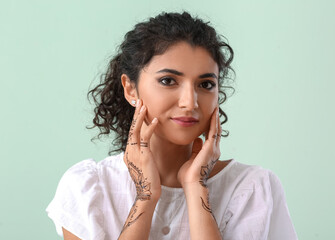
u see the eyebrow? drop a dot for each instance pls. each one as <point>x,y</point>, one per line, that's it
<point>175,72</point>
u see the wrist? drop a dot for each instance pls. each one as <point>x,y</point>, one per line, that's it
<point>194,188</point>
<point>152,198</point>
<point>148,205</point>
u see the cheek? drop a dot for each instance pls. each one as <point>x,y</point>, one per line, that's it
<point>208,109</point>
<point>156,107</point>
<point>208,105</point>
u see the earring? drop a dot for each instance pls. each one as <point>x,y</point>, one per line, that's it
<point>133,102</point>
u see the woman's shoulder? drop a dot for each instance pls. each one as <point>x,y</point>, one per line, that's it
<point>251,201</point>
<point>87,174</point>
<point>78,204</point>
<point>90,166</point>
<point>244,176</point>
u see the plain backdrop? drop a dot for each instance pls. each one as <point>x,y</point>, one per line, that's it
<point>281,116</point>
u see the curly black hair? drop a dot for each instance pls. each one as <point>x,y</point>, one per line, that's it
<point>147,39</point>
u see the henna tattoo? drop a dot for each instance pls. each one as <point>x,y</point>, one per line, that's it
<point>206,206</point>
<point>131,217</point>
<point>205,171</point>
<point>131,130</point>
<point>215,136</point>
<point>142,185</point>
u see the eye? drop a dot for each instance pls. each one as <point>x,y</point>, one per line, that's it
<point>167,81</point>
<point>207,85</point>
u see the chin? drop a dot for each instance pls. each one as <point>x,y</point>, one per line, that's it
<point>182,139</point>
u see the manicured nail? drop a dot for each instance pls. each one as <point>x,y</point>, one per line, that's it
<point>155,120</point>
<point>138,103</point>
<point>142,108</point>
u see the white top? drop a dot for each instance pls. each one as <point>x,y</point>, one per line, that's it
<point>93,201</point>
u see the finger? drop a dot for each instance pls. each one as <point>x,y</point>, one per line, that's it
<point>219,133</point>
<point>145,137</point>
<point>197,145</point>
<point>138,123</point>
<point>149,131</point>
<point>206,134</point>
<point>212,134</point>
<point>196,148</point>
<point>137,109</point>
<point>131,130</point>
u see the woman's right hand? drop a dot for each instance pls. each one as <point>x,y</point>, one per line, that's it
<point>138,157</point>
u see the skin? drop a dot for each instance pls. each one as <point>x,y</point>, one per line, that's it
<point>162,152</point>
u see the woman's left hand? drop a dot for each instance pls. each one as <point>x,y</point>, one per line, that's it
<point>204,156</point>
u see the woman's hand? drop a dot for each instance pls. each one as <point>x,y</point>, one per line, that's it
<point>193,176</point>
<point>142,169</point>
<point>204,156</point>
<point>139,159</point>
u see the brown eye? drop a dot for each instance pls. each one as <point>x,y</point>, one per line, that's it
<point>167,81</point>
<point>207,85</point>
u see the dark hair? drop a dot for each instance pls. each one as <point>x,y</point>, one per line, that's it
<point>147,39</point>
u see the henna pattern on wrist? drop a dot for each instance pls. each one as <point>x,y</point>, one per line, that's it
<point>205,171</point>
<point>132,217</point>
<point>207,207</point>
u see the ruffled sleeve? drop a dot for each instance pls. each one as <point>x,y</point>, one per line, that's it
<point>77,203</point>
<point>258,210</point>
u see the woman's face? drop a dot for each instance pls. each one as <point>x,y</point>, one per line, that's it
<point>180,88</point>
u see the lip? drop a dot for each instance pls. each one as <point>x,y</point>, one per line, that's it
<point>185,121</point>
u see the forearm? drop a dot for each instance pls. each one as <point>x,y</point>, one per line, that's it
<point>138,223</point>
<point>202,222</point>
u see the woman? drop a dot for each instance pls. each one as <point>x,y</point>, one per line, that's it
<point>159,95</point>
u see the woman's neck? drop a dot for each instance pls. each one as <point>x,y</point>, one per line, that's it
<point>169,158</point>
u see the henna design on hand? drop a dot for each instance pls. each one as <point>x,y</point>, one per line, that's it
<point>142,185</point>
<point>205,171</point>
<point>142,189</point>
<point>143,144</point>
<point>206,206</point>
<point>131,130</point>
<point>131,217</point>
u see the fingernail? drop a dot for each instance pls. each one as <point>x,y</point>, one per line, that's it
<point>142,108</point>
<point>138,103</point>
<point>155,120</point>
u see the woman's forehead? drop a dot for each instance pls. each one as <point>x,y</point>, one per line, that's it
<point>184,58</point>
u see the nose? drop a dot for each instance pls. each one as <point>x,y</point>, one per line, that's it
<point>188,98</point>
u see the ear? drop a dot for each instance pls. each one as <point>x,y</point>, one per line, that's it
<point>129,89</point>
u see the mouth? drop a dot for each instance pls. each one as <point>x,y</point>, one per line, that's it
<point>185,121</point>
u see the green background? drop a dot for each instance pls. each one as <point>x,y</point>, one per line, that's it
<point>281,116</point>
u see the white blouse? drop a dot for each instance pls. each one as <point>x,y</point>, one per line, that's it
<point>93,201</point>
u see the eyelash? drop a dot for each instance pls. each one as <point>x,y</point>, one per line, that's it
<point>211,83</point>
<point>166,78</point>
<point>161,81</point>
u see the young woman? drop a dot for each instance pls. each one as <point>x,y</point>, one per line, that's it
<point>160,95</point>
